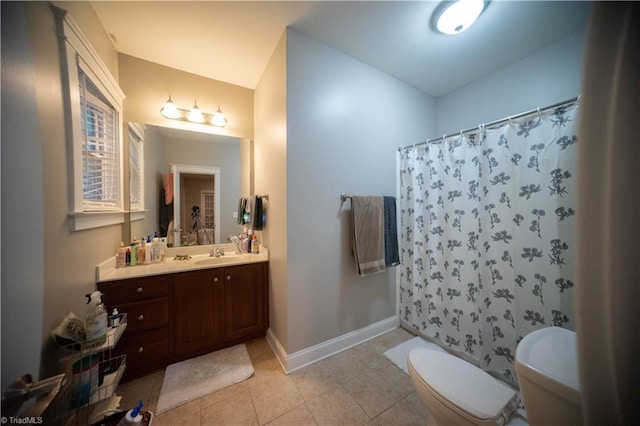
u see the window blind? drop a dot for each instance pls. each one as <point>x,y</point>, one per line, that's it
<point>100,149</point>
<point>135,171</point>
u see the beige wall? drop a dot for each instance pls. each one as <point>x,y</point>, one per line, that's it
<point>148,86</point>
<point>67,270</point>
<point>22,184</point>
<point>270,173</point>
<point>83,15</point>
<point>69,257</point>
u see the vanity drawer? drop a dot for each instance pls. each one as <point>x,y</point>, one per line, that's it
<point>118,292</point>
<point>145,315</point>
<point>145,350</point>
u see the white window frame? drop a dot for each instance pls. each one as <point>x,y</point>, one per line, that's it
<point>76,52</point>
<point>137,212</point>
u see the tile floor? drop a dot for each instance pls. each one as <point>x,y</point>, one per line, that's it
<point>355,387</point>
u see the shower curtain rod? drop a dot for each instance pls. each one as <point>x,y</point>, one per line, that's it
<point>494,123</point>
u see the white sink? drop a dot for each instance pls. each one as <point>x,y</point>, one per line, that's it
<point>207,260</point>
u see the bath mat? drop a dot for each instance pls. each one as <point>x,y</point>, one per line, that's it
<point>196,377</point>
<point>399,354</point>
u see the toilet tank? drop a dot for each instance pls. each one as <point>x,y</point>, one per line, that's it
<point>547,367</point>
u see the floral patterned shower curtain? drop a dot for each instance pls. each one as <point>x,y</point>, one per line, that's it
<point>486,236</point>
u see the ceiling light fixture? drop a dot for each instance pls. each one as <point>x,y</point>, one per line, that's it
<point>194,115</point>
<point>454,17</point>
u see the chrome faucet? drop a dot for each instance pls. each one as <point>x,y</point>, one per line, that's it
<point>216,253</point>
<point>234,239</point>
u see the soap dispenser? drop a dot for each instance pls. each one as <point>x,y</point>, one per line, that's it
<point>96,320</point>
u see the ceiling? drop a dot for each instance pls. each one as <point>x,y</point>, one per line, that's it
<point>232,41</point>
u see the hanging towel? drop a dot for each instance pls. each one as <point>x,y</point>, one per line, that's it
<point>242,206</point>
<point>257,218</point>
<point>391,254</point>
<point>168,188</point>
<point>165,213</point>
<point>368,234</point>
<point>251,205</point>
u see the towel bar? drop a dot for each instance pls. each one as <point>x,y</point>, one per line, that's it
<point>344,197</point>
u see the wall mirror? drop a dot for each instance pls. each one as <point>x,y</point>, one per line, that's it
<point>191,183</point>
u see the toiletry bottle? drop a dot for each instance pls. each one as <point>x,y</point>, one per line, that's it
<point>147,249</point>
<point>244,239</point>
<point>134,254</point>
<point>255,245</point>
<point>128,257</point>
<point>115,318</point>
<point>249,240</point>
<point>121,259</point>
<point>142,253</point>
<point>96,320</point>
<point>133,417</point>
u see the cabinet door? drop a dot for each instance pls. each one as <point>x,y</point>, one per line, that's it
<point>199,310</point>
<point>246,299</point>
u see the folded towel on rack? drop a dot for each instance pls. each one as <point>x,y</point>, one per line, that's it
<point>368,234</point>
<point>391,253</point>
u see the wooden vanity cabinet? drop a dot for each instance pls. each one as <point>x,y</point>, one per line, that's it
<point>146,340</point>
<point>177,316</point>
<point>246,301</point>
<point>198,300</point>
<point>219,307</point>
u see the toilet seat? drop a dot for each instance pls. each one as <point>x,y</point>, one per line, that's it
<point>461,384</point>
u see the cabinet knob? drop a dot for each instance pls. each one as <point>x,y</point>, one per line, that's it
<point>139,290</point>
<point>140,349</point>
<point>215,280</point>
<point>140,317</point>
<point>228,277</point>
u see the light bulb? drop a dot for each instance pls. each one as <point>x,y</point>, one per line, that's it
<point>218,118</point>
<point>195,115</point>
<point>169,110</point>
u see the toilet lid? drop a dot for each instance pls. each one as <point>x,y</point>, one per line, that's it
<point>462,383</point>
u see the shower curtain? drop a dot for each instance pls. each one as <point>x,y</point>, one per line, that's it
<point>487,222</point>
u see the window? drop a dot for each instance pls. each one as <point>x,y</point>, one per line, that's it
<point>93,120</point>
<point>100,150</point>
<point>207,201</point>
<point>136,171</point>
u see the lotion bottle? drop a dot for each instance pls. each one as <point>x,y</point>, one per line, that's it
<point>133,417</point>
<point>255,245</point>
<point>121,260</point>
<point>115,318</point>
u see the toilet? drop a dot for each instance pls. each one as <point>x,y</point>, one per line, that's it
<point>547,367</point>
<point>455,392</point>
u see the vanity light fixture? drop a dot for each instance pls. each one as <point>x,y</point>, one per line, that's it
<point>454,17</point>
<point>194,115</point>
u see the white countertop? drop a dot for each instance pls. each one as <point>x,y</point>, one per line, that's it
<point>199,256</point>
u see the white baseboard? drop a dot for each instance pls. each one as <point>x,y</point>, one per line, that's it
<point>304,357</point>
